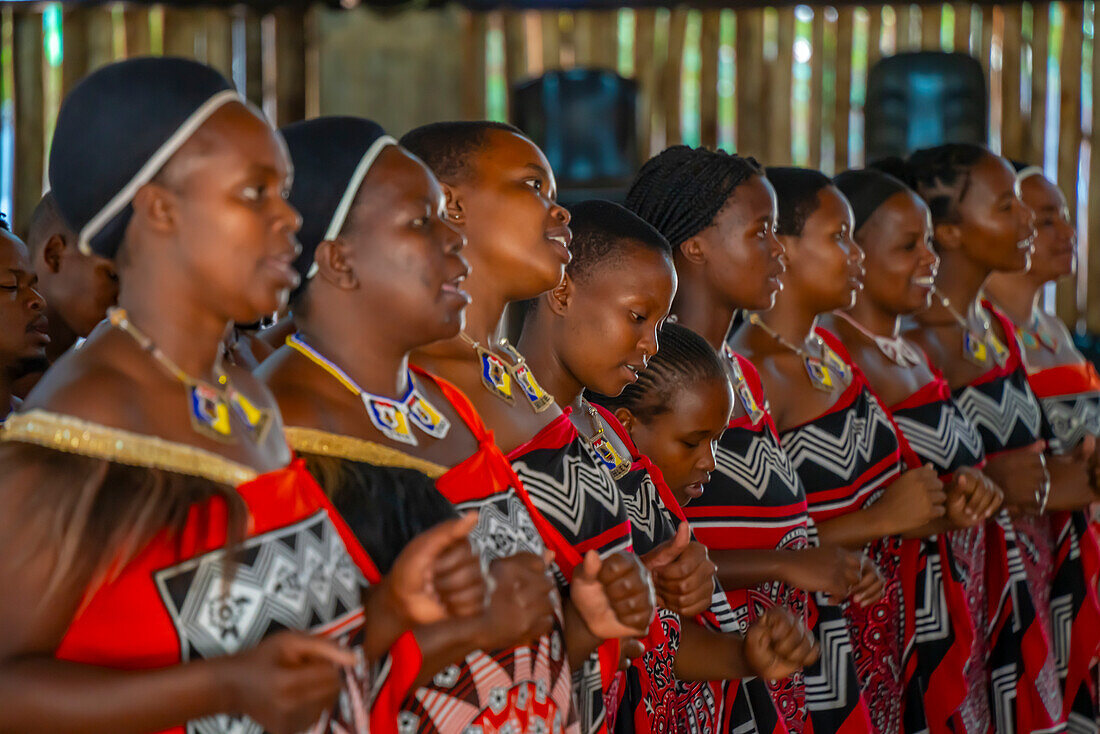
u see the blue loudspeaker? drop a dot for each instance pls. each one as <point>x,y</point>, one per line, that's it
<point>919,100</point>
<point>585,120</point>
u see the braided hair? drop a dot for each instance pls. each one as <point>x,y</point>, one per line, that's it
<point>681,190</point>
<point>796,191</point>
<point>941,175</point>
<point>683,359</point>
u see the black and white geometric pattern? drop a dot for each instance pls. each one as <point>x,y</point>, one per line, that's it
<point>757,466</point>
<point>1004,410</point>
<point>839,451</point>
<point>1071,418</point>
<point>504,527</point>
<point>827,683</point>
<point>950,441</point>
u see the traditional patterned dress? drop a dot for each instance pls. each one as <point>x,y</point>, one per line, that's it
<point>526,688</point>
<point>298,567</point>
<point>1070,396</point>
<point>939,634</point>
<point>846,458</point>
<point>1023,695</point>
<point>755,499</point>
<point>573,491</point>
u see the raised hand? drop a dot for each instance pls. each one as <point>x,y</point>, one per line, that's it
<point>437,575</point>
<point>286,682</point>
<point>1022,476</point>
<point>972,498</point>
<point>915,499</point>
<point>683,574</point>
<point>777,645</point>
<point>613,595</point>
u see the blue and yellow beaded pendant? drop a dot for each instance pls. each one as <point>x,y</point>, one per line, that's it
<point>495,375</point>
<point>540,399</point>
<point>423,414</point>
<point>209,412</point>
<point>605,451</point>
<point>742,389</point>
<point>389,417</point>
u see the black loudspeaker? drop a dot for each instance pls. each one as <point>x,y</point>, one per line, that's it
<point>918,100</point>
<point>585,120</point>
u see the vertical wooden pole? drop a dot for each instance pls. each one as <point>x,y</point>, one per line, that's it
<point>673,75</point>
<point>1040,50</point>
<point>551,40</point>
<point>709,48</point>
<point>962,28</point>
<point>904,15</point>
<point>874,35</point>
<point>1013,126</point>
<point>1069,136</point>
<point>30,143</point>
<point>219,41</point>
<point>475,26</point>
<point>605,40</point>
<point>290,60</point>
<point>750,82</point>
<point>253,58</point>
<point>843,102</point>
<point>645,71</point>
<point>74,65</point>
<point>817,86</point>
<point>780,83</point>
<point>515,48</point>
<point>931,27</point>
<point>139,40</point>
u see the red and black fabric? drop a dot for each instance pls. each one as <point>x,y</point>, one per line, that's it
<point>523,688</point>
<point>939,630</point>
<point>1023,696</point>
<point>168,606</point>
<point>846,458</point>
<point>1070,397</point>
<point>755,500</point>
<point>572,490</point>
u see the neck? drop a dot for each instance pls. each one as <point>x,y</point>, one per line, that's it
<point>181,324</point>
<point>790,318</point>
<point>874,317</point>
<point>376,363</point>
<point>697,309</point>
<point>1015,294</point>
<point>537,346</point>
<point>483,316</point>
<point>61,336</point>
<point>959,280</point>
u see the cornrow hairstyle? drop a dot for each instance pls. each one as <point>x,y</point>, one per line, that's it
<point>796,191</point>
<point>602,233</point>
<point>681,190</point>
<point>445,147</point>
<point>941,175</point>
<point>683,360</point>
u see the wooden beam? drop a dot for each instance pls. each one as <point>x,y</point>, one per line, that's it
<point>1069,136</point>
<point>100,37</point>
<point>184,33</point>
<point>843,101</point>
<point>475,26</point>
<point>751,134</point>
<point>515,48</point>
<point>1013,125</point>
<point>904,14</point>
<point>1093,243</point>
<point>253,58</point>
<point>1040,50</point>
<point>985,49</point>
<point>817,86</point>
<point>673,75</point>
<point>874,35</point>
<point>219,40</point>
<point>709,47</point>
<point>962,28</point>
<point>551,40</point>
<point>780,82</point>
<point>30,138</point>
<point>931,27</point>
<point>74,65</point>
<point>606,51</point>
<point>139,41</point>
<point>645,71</point>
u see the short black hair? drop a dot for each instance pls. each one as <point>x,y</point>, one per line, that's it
<point>445,147</point>
<point>797,193</point>
<point>4,225</point>
<point>602,230</point>
<point>681,189</point>
<point>683,360</point>
<point>46,221</point>
<point>940,175</point>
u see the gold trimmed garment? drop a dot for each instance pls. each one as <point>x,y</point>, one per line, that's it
<point>339,446</point>
<point>85,438</point>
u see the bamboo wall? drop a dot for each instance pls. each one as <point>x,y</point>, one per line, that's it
<point>784,84</point>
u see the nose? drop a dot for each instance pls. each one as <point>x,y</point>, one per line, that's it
<point>928,257</point>
<point>287,217</point>
<point>649,345</point>
<point>455,240</point>
<point>35,300</point>
<point>1026,218</point>
<point>559,212</point>
<point>708,461</point>
<point>855,254</point>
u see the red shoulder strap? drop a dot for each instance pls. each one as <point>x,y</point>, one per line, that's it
<point>458,400</point>
<point>1009,328</point>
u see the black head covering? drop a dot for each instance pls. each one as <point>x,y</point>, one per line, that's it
<point>331,157</point>
<point>867,190</point>
<point>115,131</point>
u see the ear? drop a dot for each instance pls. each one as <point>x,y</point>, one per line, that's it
<point>52,251</point>
<point>560,296</point>
<point>694,250</point>
<point>456,211</point>
<point>626,418</point>
<point>947,236</point>
<point>156,205</point>
<point>334,264</point>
